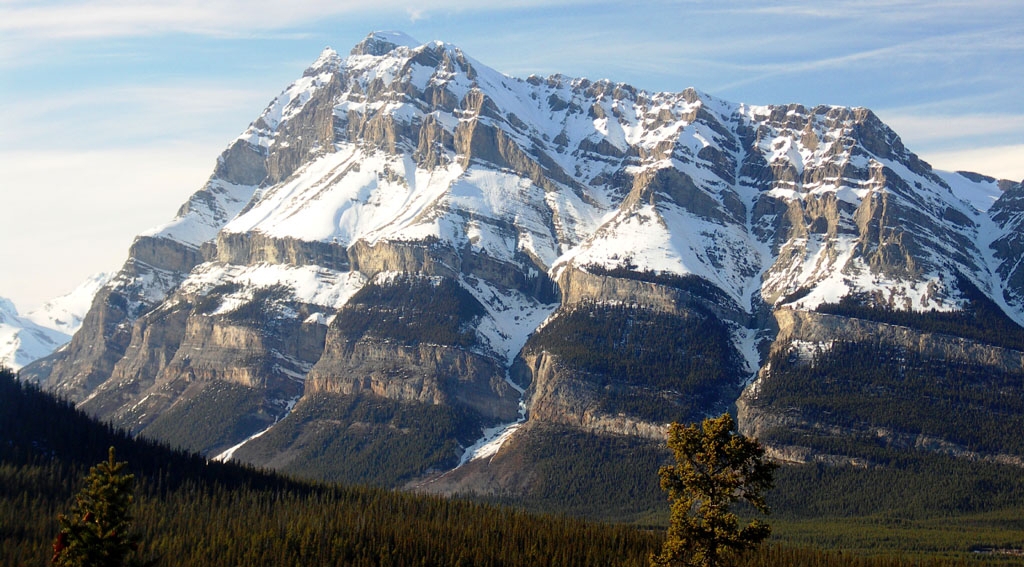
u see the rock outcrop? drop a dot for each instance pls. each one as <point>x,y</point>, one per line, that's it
<point>423,373</point>
<point>558,396</point>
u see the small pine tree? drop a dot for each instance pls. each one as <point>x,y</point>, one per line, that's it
<point>715,468</point>
<point>98,530</point>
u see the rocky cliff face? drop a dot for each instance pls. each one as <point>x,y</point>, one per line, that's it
<point>411,340</point>
<point>558,396</point>
<point>807,408</point>
<point>807,327</point>
<point>428,374</point>
<point>406,237</point>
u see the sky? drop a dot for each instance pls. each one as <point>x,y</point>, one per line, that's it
<point>112,113</point>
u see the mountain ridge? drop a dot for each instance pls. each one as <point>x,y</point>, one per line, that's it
<point>305,270</point>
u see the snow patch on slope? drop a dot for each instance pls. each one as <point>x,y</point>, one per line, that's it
<point>229,454</point>
<point>314,285</point>
<point>510,320</point>
<point>494,437</point>
<point>980,194</point>
<point>343,196</point>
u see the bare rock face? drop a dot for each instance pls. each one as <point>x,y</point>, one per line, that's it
<point>242,164</point>
<point>424,373</point>
<point>308,133</point>
<point>178,348</point>
<point>818,328</point>
<point>249,248</point>
<point>164,254</point>
<point>558,396</point>
<point>427,258</point>
<point>437,259</point>
<point>156,337</point>
<point>671,295</point>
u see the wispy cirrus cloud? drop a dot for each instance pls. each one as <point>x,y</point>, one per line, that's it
<point>28,26</point>
<point>107,18</point>
<point>983,142</point>
<point>936,48</point>
<point>879,11</point>
<point>1001,162</point>
<point>124,115</point>
<point>941,128</point>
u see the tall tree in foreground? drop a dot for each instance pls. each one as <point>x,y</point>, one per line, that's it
<point>97,531</point>
<point>715,468</point>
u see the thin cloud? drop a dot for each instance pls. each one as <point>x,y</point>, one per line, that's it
<point>937,48</point>
<point>28,27</point>
<point>943,106</point>
<point>880,11</point>
<point>937,128</point>
<point>1001,162</point>
<point>188,99</point>
<point>103,18</point>
<point>109,116</point>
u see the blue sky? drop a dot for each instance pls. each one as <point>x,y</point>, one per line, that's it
<point>112,112</point>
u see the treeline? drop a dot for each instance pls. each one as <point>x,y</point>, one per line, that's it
<point>981,320</point>
<point>907,487</point>
<point>923,506</point>
<point>599,477</point>
<point>178,426</point>
<point>203,524</point>
<point>652,364</point>
<point>192,512</point>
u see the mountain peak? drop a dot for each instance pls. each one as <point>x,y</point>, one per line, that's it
<point>329,60</point>
<point>7,307</point>
<point>383,42</point>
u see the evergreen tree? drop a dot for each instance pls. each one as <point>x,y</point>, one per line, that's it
<point>715,468</point>
<point>97,531</point>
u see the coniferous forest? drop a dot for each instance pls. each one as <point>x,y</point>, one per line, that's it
<point>192,512</point>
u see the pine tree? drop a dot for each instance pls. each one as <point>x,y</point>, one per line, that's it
<point>98,530</point>
<point>715,468</point>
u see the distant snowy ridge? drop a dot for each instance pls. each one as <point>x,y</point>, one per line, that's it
<point>65,313</point>
<point>27,338</point>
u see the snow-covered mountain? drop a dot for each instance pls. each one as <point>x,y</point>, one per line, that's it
<point>29,337</point>
<point>22,341</point>
<point>409,241</point>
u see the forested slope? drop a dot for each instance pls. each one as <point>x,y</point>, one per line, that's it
<point>191,512</point>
